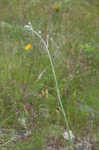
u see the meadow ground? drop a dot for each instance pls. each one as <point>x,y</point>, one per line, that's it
<point>30,114</point>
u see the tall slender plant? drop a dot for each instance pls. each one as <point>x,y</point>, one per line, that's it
<point>45,43</point>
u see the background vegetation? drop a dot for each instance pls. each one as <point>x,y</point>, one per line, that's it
<point>28,102</point>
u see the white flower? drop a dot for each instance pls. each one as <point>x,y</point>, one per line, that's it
<point>69,135</point>
<point>28,26</point>
<point>39,32</point>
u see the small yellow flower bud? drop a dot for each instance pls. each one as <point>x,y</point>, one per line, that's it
<point>27,47</point>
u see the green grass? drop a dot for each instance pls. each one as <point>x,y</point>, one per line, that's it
<point>73,44</point>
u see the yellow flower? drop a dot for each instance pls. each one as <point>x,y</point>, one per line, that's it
<point>27,47</point>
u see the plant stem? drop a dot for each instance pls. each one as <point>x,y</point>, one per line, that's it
<point>56,83</point>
